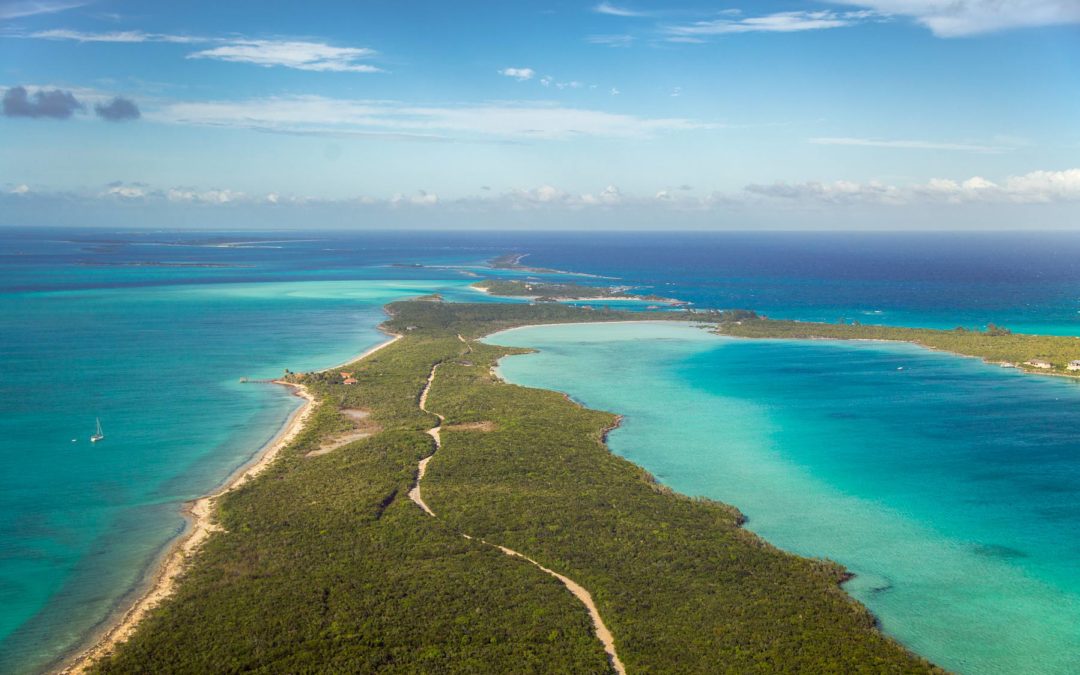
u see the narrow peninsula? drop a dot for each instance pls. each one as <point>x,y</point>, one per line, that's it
<point>1041,354</point>
<point>322,562</point>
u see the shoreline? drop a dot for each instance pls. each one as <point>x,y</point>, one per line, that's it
<point>161,577</point>
<point>1008,365</point>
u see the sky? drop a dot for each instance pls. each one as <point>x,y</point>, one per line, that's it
<point>771,114</point>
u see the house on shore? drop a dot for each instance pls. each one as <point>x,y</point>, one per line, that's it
<point>1040,363</point>
<point>1073,365</point>
<point>349,380</point>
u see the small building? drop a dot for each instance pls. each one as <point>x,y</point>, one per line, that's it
<point>1040,363</point>
<point>345,376</point>
<point>349,380</point>
<point>1073,365</point>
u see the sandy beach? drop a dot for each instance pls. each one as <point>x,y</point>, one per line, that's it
<point>200,524</point>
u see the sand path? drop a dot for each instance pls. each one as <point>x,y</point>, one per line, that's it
<point>599,627</point>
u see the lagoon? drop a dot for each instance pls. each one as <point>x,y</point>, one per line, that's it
<point>951,488</point>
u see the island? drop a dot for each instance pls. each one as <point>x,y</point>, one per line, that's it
<point>428,517</point>
<point>546,291</point>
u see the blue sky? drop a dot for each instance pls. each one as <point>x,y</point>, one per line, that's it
<point>858,113</point>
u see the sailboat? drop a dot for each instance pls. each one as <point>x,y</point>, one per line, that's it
<point>98,435</point>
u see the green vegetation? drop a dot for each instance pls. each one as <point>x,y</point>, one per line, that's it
<point>512,261</point>
<point>545,291</point>
<point>995,344</point>
<point>324,565</point>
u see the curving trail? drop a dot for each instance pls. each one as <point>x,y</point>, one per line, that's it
<point>599,628</point>
<point>414,493</point>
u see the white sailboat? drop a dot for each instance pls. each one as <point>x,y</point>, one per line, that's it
<point>98,435</point>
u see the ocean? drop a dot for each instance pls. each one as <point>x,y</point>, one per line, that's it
<point>152,331</point>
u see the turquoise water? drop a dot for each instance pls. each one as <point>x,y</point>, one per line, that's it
<point>151,331</point>
<point>950,487</point>
<point>161,367</point>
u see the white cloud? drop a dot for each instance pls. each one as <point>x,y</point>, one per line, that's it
<point>1037,187</point>
<point>315,115</point>
<point>779,22</point>
<point>125,192</point>
<point>907,144</point>
<point>957,18</point>
<point>549,81</point>
<point>613,10</point>
<point>21,189</point>
<point>19,9</point>
<point>838,192</point>
<point>421,198</point>
<point>126,36</point>
<point>217,196</point>
<point>193,196</point>
<point>315,56</point>
<point>1005,202</point>
<point>296,54</point>
<point>609,196</point>
<point>519,74</point>
<point>611,40</point>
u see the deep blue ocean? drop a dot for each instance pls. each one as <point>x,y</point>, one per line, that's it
<point>152,331</point>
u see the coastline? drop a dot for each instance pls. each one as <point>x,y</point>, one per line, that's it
<point>161,577</point>
<point>988,361</point>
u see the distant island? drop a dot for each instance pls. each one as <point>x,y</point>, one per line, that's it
<point>512,261</point>
<point>425,516</point>
<point>543,291</point>
<point>1042,354</point>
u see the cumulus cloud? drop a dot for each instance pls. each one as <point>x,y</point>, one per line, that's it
<point>54,103</point>
<point>778,22</point>
<point>194,196</point>
<point>421,198</point>
<point>315,56</point>
<point>957,18</point>
<point>519,74</point>
<point>1037,187</point>
<point>117,110</point>
<point>838,192</point>
<point>494,121</point>
<point>976,200</point>
<point>129,191</point>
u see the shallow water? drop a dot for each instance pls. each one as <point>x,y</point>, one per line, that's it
<point>161,367</point>
<point>950,487</point>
